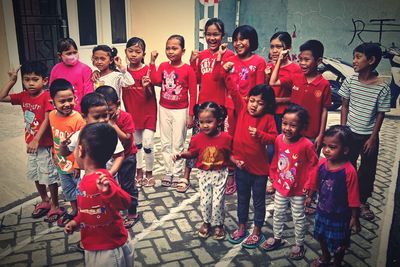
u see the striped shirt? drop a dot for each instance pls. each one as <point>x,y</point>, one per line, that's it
<point>365,101</point>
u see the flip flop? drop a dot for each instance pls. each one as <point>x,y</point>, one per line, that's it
<point>54,215</point>
<point>237,237</point>
<point>148,182</point>
<point>204,230</point>
<point>66,218</point>
<point>129,221</point>
<point>41,209</point>
<point>253,241</point>
<point>231,187</point>
<point>183,185</point>
<point>297,252</point>
<point>175,181</point>
<point>166,181</point>
<point>272,244</point>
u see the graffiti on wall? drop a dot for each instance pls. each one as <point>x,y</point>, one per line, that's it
<point>378,26</point>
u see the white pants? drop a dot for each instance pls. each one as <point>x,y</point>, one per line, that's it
<point>144,141</point>
<point>299,218</point>
<point>212,185</point>
<point>173,135</point>
<point>118,257</point>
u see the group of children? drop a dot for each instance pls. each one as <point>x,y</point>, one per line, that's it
<point>257,127</point>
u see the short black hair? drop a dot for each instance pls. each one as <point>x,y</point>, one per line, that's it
<point>178,37</point>
<point>92,100</point>
<point>99,141</point>
<point>137,41</point>
<point>60,85</point>
<point>219,111</point>
<point>370,50</point>
<point>109,93</point>
<point>267,95</point>
<point>217,22</point>
<point>342,132</point>
<point>315,46</point>
<point>34,67</point>
<point>247,32</point>
<point>301,112</point>
<point>64,44</point>
<point>284,38</point>
<point>112,52</point>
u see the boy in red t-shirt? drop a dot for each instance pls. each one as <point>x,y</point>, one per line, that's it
<point>100,199</point>
<point>123,123</point>
<point>35,103</point>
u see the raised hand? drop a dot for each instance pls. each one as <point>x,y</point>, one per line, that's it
<point>103,184</point>
<point>13,74</point>
<point>118,63</point>
<point>252,131</point>
<point>228,66</point>
<point>153,56</point>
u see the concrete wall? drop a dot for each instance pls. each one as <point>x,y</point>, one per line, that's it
<point>5,63</point>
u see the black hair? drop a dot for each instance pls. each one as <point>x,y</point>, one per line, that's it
<point>179,38</point>
<point>267,95</point>
<point>60,85</point>
<point>247,32</point>
<point>92,100</point>
<point>218,111</point>
<point>343,133</point>
<point>284,37</point>
<point>111,52</point>
<point>137,41</point>
<point>218,23</point>
<point>370,50</point>
<point>109,93</point>
<point>34,67</point>
<point>64,44</point>
<point>315,46</point>
<point>301,112</point>
<point>99,141</point>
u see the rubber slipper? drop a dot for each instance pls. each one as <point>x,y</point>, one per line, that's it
<point>66,218</point>
<point>204,230</point>
<point>54,215</point>
<point>41,209</point>
<point>238,237</point>
<point>130,221</point>
<point>253,241</point>
<point>272,244</point>
<point>219,233</point>
<point>148,182</point>
<point>297,252</point>
<point>183,185</point>
<point>320,263</point>
<point>175,181</point>
<point>166,181</point>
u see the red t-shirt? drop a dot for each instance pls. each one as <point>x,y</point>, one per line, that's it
<point>284,90</point>
<point>176,84</point>
<point>139,102</point>
<point>247,148</point>
<point>125,123</point>
<point>102,227</point>
<point>292,166</point>
<point>34,109</point>
<point>212,152</point>
<point>312,96</point>
<point>212,88</point>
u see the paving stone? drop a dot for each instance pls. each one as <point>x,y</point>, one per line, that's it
<point>154,234</point>
<point>171,264</point>
<point>143,244</point>
<point>203,256</point>
<point>24,233</point>
<point>280,262</point>
<point>51,236</point>
<point>57,246</point>
<point>190,262</point>
<point>10,219</point>
<point>32,247</point>
<point>14,259</point>
<point>149,256</point>
<point>194,216</point>
<point>149,217</point>
<point>162,245</point>
<point>184,254</point>
<point>168,202</point>
<point>173,235</point>
<point>66,257</point>
<point>39,258</point>
<point>7,236</point>
<point>160,210</point>
<point>184,225</point>
<point>158,195</point>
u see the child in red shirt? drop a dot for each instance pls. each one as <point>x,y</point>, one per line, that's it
<point>140,102</point>
<point>212,148</point>
<point>255,128</point>
<point>35,104</point>
<point>100,199</point>
<point>293,164</point>
<point>125,128</point>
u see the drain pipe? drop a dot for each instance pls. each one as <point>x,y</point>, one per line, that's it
<point>237,13</point>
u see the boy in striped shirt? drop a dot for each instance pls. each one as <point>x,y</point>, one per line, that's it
<point>365,99</point>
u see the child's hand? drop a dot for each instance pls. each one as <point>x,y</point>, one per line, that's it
<point>268,71</point>
<point>13,74</point>
<point>146,82</point>
<point>222,49</point>
<point>283,54</point>
<point>253,131</point>
<point>32,146</point>
<point>103,184</point>
<point>65,139</point>
<point>70,227</point>
<point>176,157</point>
<point>194,55</point>
<point>355,224</point>
<point>153,56</point>
<point>369,146</point>
<point>95,75</point>
<point>113,118</point>
<point>318,142</point>
<point>118,63</point>
<point>240,164</point>
<point>228,66</point>
<point>189,122</point>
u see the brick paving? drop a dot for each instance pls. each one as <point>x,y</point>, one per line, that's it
<point>167,232</point>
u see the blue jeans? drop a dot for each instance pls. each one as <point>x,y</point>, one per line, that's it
<point>247,183</point>
<point>69,185</point>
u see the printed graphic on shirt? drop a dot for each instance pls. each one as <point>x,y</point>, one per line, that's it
<point>207,65</point>
<point>63,163</point>
<point>95,210</point>
<point>212,157</point>
<point>31,123</point>
<point>244,73</point>
<point>98,83</point>
<point>287,171</point>
<point>171,87</point>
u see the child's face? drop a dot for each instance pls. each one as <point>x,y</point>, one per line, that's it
<point>97,114</point>
<point>213,37</point>
<point>208,123</point>
<point>174,50</point>
<point>276,46</point>
<point>333,149</point>
<point>112,110</point>
<point>291,126</point>
<point>308,63</point>
<point>255,105</point>
<point>361,62</point>
<point>64,102</point>
<point>70,57</point>
<point>242,46</point>
<point>33,83</point>
<point>101,60</point>
<point>135,54</point>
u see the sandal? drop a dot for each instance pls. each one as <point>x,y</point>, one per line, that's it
<point>253,241</point>
<point>131,220</point>
<point>139,178</point>
<point>366,213</point>
<point>309,210</point>
<point>320,263</point>
<point>175,181</point>
<point>148,182</point>
<point>166,181</point>
<point>272,244</point>
<point>183,185</point>
<point>62,221</point>
<point>219,233</point>
<point>231,186</point>
<point>204,230</point>
<point>238,236</point>
<point>297,252</point>
<point>41,209</point>
<point>54,215</point>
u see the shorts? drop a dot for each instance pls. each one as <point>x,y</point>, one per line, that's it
<point>40,167</point>
<point>69,186</point>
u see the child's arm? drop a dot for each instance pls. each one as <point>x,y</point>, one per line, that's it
<point>70,227</point>
<point>218,71</point>
<point>232,87</point>
<point>192,83</point>
<point>184,155</point>
<point>33,145</point>
<point>64,142</point>
<point>87,81</point>
<point>274,80</point>
<point>194,58</point>
<point>260,72</point>
<point>155,75</point>
<point>126,138</point>
<point>273,168</point>
<point>238,163</point>
<point>117,163</point>
<point>344,111</point>
<point>355,221</point>
<point>13,77</point>
<point>370,145</point>
<point>112,192</point>
<point>126,78</point>
<point>322,127</point>
<point>267,136</point>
